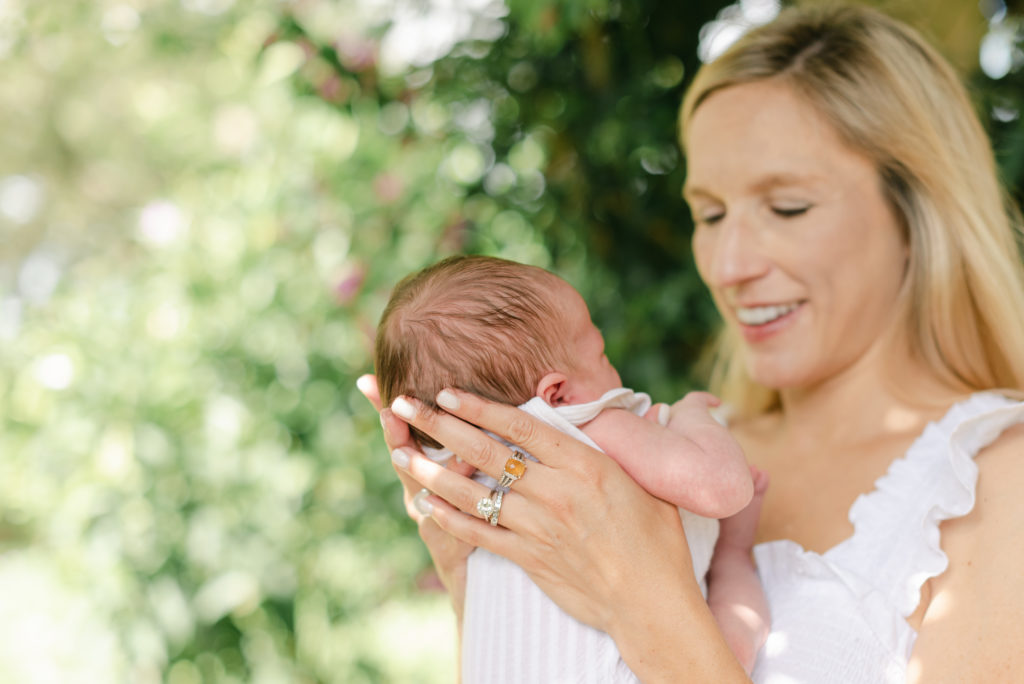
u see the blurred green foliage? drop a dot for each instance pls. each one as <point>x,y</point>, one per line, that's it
<point>204,205</point>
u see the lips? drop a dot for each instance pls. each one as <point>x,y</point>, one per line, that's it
<point>763,315</point>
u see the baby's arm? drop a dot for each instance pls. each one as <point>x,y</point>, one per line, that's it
<point>693,462</point>
<point>735,595</point>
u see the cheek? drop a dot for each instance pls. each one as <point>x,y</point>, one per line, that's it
<point>702,248</point>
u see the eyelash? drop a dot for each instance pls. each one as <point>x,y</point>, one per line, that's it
<point>708,220</point>
<point>782,213</point>
<point>789,213</point>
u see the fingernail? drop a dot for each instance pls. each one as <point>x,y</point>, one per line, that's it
<point>403,408</point>
<point>384,424</point>
<point>400,458</point>
<point>364,384</point>
<point>421,504</point>
<point>445,399</point>
<point>663,414</point>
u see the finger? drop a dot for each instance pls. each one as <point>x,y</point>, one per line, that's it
<point>411,490</point>
<point>457,465</point>
<point>705,398</point>
<point>367,384</point>
<point>658,413</point>
<point>471,444</point>
<point>456,490</point>
<point>499,540</point>
<point>396,431</point>
<point>415,495</point>
<point>549,445</point>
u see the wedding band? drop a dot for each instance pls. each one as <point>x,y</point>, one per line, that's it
<point>497,507</point>
<point>514,468</point>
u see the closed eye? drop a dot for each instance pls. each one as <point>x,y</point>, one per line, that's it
<point>709,219</point>
<point>790,212</point>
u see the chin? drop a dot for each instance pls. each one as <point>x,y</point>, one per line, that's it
<point>777,374</point>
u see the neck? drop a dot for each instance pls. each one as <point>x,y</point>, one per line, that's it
<point>880,395</point>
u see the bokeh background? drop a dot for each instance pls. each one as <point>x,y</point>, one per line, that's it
<point>203,206</point>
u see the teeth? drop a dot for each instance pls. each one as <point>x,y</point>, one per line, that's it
<point>759,315</point>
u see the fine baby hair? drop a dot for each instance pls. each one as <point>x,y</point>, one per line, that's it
<point>479,323</point>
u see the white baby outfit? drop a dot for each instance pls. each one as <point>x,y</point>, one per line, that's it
<point>512,632</point>
<point>841,616</point>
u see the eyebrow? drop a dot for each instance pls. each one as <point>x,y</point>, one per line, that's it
<point>768,182</point>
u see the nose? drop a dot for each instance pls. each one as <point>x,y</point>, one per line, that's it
<point>729,253</point>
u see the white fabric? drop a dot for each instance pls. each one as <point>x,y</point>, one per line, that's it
<point>841,616</point>
<point>512,632</point>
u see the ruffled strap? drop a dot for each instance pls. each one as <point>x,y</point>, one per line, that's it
<point>622,397</point>
<point>896,544</point>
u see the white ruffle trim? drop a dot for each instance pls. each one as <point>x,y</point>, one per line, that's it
<point>935,481</point>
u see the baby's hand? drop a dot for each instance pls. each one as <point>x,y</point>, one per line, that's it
<point>659,413</point>
<point>695,406</point>
<point>696,401</point>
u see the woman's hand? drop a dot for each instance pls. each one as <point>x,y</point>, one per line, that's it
<point>607,552</point>
<point>448,553</point>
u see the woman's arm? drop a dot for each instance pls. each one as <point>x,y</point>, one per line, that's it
<point>693,463</point>
<point>603,549</point>
<point>973,626</point>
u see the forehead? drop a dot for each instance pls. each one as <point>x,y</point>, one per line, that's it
<point>567,299</point>
<point>764,131</point>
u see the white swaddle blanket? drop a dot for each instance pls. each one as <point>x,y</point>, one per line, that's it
<point>512,632</point>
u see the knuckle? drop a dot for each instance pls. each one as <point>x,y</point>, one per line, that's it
<point>590,474</point>
<point>521,431</point>
<point>478,451</point>
<point>472,536</point>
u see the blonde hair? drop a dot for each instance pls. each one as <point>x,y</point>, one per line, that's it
<point>893,98</point>
<point>482,324</point>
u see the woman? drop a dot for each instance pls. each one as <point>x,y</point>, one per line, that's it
<point>851,230</point>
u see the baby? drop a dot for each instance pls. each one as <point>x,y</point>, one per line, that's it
<point>520,335</point>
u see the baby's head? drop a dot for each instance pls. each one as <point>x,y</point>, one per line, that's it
<point>503,330</point>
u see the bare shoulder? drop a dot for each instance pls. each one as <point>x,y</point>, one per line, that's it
<point>998,515</point>
<point>972,627</point>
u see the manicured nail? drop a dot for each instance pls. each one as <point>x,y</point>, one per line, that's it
<point>663,414</point>
<point>445,399</point>
<point>400,458</point>
<point>402,408</point>
<point>421,504</point>
<point>364,384</point>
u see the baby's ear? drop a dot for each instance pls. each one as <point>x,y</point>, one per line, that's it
<point>553,388</point>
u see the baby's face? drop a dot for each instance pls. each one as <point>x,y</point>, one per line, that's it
<point>593,374</point>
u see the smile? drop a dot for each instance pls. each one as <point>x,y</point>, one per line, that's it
<point>761,315</point>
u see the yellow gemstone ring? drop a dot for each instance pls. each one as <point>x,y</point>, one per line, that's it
<point>514,468</point>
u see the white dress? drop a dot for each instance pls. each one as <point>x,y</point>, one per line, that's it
<point>512,632</point>
<point>841,616</point>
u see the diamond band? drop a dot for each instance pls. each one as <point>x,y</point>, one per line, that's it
<point>498,495</point>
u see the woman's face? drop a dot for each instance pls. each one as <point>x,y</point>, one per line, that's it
<point>794,238</point>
